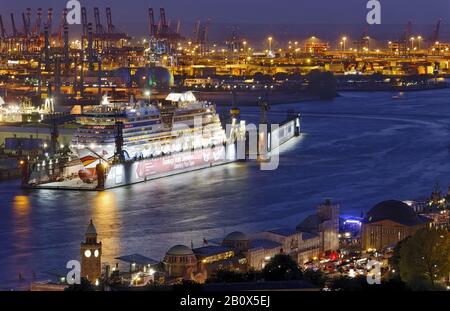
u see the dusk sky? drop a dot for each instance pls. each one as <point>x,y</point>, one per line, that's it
<point>257,18</point>
<point>260,11</point>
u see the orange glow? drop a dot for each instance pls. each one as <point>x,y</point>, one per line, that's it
<point>21,205</point>
<point>108,223</point>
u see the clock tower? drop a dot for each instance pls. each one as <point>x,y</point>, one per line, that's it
<point>91,254</point>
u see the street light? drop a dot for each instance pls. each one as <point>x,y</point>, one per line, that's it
<point>412,42</point>
<point>344,39</point>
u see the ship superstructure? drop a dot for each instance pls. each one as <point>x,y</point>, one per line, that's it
<point>194,125</point>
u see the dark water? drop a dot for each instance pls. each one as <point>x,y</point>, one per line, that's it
<point>358,149</point>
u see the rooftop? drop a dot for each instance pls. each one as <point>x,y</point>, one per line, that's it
<point>265,244</point>
<point>309,224</point>
<point>396,211</point>
<point>179,250</point>
<point>309,235</point>
<point>211,250</point>
<point>236,236</point>
<point>138,259</point>
<point>91,229</point>
<point>284,231</point>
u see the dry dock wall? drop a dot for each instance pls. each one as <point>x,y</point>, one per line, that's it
<point>142,170</point>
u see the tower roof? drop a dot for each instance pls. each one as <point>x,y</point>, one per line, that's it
<point>91,229</point>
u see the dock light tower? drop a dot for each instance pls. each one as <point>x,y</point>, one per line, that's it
<point>412,39</point>
<point>270,39</point>
<point>344,40</point>
<point>419,38</point>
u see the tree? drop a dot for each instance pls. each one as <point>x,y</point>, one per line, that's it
<point>84,286</point>
<point>281,267</point>
<point>425,258</point>
<point>394,260</point>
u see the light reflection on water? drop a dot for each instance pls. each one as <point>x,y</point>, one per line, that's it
<point>107,221</point>
<point>380,149</point>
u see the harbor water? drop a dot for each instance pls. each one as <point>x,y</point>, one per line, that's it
<point>358,149</point>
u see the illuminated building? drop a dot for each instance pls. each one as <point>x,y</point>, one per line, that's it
<point>257,251</point>
<point>288,238</point>
<point>180,262</point>
<point>91,254</point>
<point>389,222</point>
<point>319,232</point>
<point>32,134</point>
<point>237,241</point>
<point>213,258</point>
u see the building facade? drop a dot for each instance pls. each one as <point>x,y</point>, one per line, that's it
<point>389,222</point>
<point>319,233</point>
<point>91,254</point>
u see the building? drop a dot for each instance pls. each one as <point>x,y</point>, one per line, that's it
<point>32,137</point>
<point>389,222</point>
<point>287,237</point>
<point>91,254</point>
<point>180,262</point>
<point>257,251</point>
<point>319,233</point>
<point>261,252</point>
<point>309,247</point>
<point>213,258</point>
<point>142,270</point>
<point>237,241</point>
<point>287,240</point>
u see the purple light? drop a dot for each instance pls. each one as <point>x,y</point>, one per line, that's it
<point>351,221</point>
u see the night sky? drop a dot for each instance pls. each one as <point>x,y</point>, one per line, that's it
<point>261,11</point>
<point>130,15</point>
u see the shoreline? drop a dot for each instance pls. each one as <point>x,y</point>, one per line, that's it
<point>247,99</point>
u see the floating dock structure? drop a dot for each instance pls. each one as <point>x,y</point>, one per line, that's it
<point>56,174</point>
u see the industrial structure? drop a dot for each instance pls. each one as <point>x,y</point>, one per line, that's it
<point>42,58</point>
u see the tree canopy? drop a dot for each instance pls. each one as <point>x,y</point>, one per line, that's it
<point>280,268</point>
<point>425,258</point>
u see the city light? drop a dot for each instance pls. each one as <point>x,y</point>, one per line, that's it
<point>212,143</point>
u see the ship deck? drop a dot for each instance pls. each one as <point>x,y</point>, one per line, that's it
<point>75,184</point>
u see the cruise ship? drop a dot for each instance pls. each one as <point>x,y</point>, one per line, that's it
<point>149,131</point>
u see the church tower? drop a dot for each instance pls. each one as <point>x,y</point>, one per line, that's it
<point>91,254</point>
